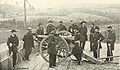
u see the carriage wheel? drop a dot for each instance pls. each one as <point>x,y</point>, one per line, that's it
<point>62,49</point>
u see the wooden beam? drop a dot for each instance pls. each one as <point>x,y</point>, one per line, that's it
<point>25,18</point>
<point>91,58</point>
<point>108,57</point>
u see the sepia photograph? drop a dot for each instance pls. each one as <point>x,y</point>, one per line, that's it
<point>59,34</point>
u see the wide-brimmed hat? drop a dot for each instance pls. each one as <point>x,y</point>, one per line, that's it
<point>13,31</point>
<point>60,21</point>
<point>93,24</point>
<point>97,27</point>
<point>39,24</point>
<point>71,20</point>
<point>29,28</point>
<point>82,22</point>
<point>50,21</point>
<point>109,27</point>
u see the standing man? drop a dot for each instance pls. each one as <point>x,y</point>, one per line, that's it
<point>83,31</point>
<point>40,31</point>
<point>12,43</point>
<point>111,38</point>
<point>92,31</point>
<point>61,27</point>
<point>28,44</point>
<point>72,27</point>
<point>97,39</point>
<point>49,27</point>
<point>52,48</point>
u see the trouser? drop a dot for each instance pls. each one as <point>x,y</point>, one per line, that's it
<point>78,57</point>
<point>10,50</point>
<point>52,60</point>
<point>27,53</point>
<point>91,46</point>
<point>109,52</point>
<point>82,44</point>
<point>95,53</point>
<point>14,58</point>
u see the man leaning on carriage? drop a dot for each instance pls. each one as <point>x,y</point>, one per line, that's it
<point>79,32</point>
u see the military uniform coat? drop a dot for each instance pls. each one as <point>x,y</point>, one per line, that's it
<point>92,31</point>
<point>49,28</point>
<point>83,31</point>
<point>28,41</point>
<point>111,38</point>
<point>14,41</point>
<point>40,31</point>
<point>97,36</point>
<point>61,27</point>
<point>52,45</point>
<point>72,28</point>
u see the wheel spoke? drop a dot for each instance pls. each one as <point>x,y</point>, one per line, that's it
<point>46,55</point>
<point>45,51</point>
<point>45,42</point>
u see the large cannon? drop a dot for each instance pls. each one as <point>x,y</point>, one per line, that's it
<point>64,47</point>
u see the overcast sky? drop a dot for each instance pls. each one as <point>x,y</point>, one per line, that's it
<point>56,3</point>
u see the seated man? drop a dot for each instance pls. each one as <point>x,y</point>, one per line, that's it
<point>77,50</point>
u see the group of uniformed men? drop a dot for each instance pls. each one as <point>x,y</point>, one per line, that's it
<point>80,37</point>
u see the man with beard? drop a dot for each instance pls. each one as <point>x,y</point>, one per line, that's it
<point>49,27</point>
<point>72,27</point>
<point>28,44</point>
<point>61,27</point>
<point>83,31</point>
<point>52,48</point>
<point>111,38</point>
<point>12,43</point>
<point>97,39</point>
<point>40,31</point>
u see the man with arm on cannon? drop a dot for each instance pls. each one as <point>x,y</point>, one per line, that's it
<point>49,27</point>
<point>92,31</point>
<point>72,27</point>
<point>61,27</point>
<point>83,31</point>
<point>28,44</point>
<point>97,39</point>
<point>12,43</point>
<point>40,31</point>
<point>52,48</point>
<point>111,38</point>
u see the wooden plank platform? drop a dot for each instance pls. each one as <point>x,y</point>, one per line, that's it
<point>64,65</point>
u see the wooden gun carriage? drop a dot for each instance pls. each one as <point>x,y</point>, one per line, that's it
<point>64,47</point>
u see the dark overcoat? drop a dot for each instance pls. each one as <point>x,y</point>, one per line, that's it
<point>97,36</point>
<point>72,28</point>
<point>28,41</point>
<point>83,31</point>
<point>61,27</point>
<point>111,38</point>
<point>49,28</point>
<point>92,31</point>
<point>14,41</point>
<point>52,44</point>
<point>40,31</point>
